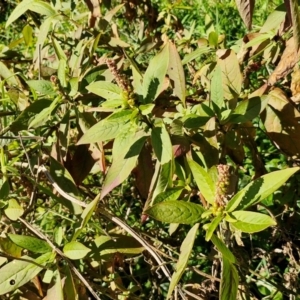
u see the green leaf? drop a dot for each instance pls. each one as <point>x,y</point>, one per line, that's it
<point>155,75</point>
<point>58,50</point>
<point>216,88</point>
<point>55,291</point>
<point>65,181</point>
<point>21,123</point>
<point>164,180</point>
<point>176,73</point>
<point>14,210</point>
<point>44,87</point>
<point>195,54</point>
<point>86,216</point>
<point>162,145</point>
<point>122,166</point>
<point>203,181</point>
<point>42,117</point>
<point>229,281</point>
<point>248,109</point>
<point>75,250</point>
<point>10,248</point>
<point>4,190</point>
<point>106,129</point>
<point>7,74</point>
<point>20,272</point>
<point>185,252</point>
<point>30,243</point>
<point>176,212</point>
<point>61,72</point>
<point>213,38</point>
<point>259,189</point>
<point>117,244</point>
<point>212,227</point>
<point>168,195</point>
<point>249,221</point>
<point>226,253</point>
<point>106,90</point>
<point>27,34</point>
<point>37,6</point>
<point>231,75</point>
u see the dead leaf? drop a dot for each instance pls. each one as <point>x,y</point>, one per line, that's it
<point>282,123</point>
<point>286,64</point>
<point>295,85</point>
<point>94,7</point>
<point>245,8</point>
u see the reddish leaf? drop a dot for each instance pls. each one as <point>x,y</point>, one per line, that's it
<point>245,8</point>
<point>144,171</point>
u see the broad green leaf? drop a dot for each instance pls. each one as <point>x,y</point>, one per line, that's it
<point>274,19</point>
<point>85,217</point>
<point>14,210</point>
<point>106,90</point>
<point>61,72</point>
<point>75,250</point>
<point>212,227</point>
<point>7,74</point>
<point>122,166</point>
<point>18,11</point>
<point>229,281</point>
<point>42,117</point>
<point>204,181</point>
<point>249,221</point>
<point>58,235</point>
<point>185,252</point>
<point>248,109</point>
<point>106,129</point>
<point>43,33</point>
<point>58,50</point>
<point>17,273</point>
<point>259,189</point>
<point>42,8</point>
<point>76,58</point>
<point>213,38</point>
<point>118,244</point>
<point>176,212</point>
<point>162,145</point>
<point>27,34</point>
<point>222,248</point>
<point>69,286</point>
<point>245,8</point>
<point>55,291</point>
<point>65,181</point>
<point>164,179</point>
<point>10,248</point>
<point>30,243</point>
<point>37,6</point>
<point>168,195</point>
<point>176,73</point>
<point>216,88</point>
<point>155,75</point>
<point>4,190</point>
<point>231,74</point>
<point>44,87</point>
<point>192,121</point>
<point>195,54</point>
<point>21,123</point>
